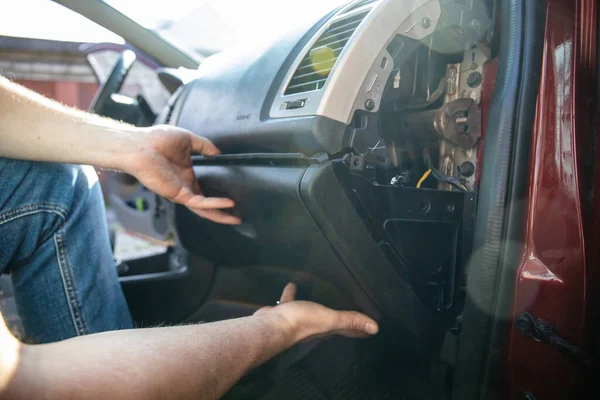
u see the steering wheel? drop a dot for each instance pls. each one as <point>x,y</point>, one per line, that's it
<point>113,83</point>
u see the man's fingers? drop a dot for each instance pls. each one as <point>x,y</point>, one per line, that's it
<point>289,293</point>
<point>353,334</point>
<point>204,146</point>
<point>351,323</point>
<point>217,216</point>
<point>200,202</point>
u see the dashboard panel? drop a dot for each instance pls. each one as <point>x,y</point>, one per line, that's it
<point>229,102</point>
<point>330,133</point>
<point>301,91</point>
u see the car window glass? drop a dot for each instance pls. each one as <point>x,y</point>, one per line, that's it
<point>142,80</point>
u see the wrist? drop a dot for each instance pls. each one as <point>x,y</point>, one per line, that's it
<point>123,149</point>
<point>281,323</point>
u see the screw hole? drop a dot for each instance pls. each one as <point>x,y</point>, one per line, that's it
<point>425,206</point>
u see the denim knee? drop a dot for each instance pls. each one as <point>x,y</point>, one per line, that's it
<point>72,186</point>
<point>54,239</point>
<point>44,196</point>
<point>30,182</point>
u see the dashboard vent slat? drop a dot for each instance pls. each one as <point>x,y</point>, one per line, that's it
<point>315,85</point>
<point>334,42</point>
<point>312,67</point>
<point>315,67</point>
<point>341,29</point>
<point>359,5</point>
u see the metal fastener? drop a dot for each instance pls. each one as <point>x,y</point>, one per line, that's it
<point>467,169</point>
<point>475,24</point>
<point>474,79</point>
<point>526,396</point>
<point>370,104</point>
<point>426,23</point>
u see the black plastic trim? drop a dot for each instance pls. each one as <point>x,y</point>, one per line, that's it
<point>281,159</point>
<point>169,296</point>
<point>414,324</point>
<point>407,223</point>
<point>277,228</point>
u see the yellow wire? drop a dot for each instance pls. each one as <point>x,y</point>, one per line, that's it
<point>425,175</point>
<point>464,187</point>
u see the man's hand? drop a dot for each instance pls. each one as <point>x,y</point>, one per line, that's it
<point>162,162</point>
<point>307,319</point>
<point>159,157</point>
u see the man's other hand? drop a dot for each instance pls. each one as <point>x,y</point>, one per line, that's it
<point>162,162</point>
<point>307,319</point>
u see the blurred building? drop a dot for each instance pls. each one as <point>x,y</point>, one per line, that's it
<point>56,69</point>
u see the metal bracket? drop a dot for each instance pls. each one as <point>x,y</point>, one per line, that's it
<point>459,122</point>
<point>364,164</point>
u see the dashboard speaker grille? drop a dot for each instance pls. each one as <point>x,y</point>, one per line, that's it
<point>314,69</point>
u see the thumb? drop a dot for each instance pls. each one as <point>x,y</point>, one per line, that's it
<point>289,293</point>
<point>202,145</point>
<point>350,323</point>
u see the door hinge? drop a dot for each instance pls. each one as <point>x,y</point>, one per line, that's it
<point>541,331</point>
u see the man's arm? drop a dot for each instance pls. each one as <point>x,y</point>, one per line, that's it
<point>33,127</point>
<point>196,361</point>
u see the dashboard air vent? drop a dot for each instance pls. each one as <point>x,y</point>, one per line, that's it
<point>359,5</point>
<point>313,71</point>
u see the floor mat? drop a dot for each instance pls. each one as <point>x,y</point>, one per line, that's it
<point>346,369</point>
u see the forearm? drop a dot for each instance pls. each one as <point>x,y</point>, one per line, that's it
<point>10,350</point>
<point>200,361</point>
<point>33,127</point>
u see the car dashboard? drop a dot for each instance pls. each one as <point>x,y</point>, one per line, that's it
<point>351,148</point>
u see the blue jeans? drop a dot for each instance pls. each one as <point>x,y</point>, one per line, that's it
<point>54,243</point>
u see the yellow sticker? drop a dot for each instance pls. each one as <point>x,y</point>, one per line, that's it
<point>323,59</point>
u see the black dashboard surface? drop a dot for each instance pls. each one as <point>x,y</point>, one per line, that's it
<point>228,103</point>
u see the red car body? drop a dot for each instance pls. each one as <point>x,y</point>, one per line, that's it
<point>558,273</point>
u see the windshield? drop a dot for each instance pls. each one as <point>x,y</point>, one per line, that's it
<point>210,26</point>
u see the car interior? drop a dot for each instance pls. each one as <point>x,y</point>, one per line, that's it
<point>364,154</point>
